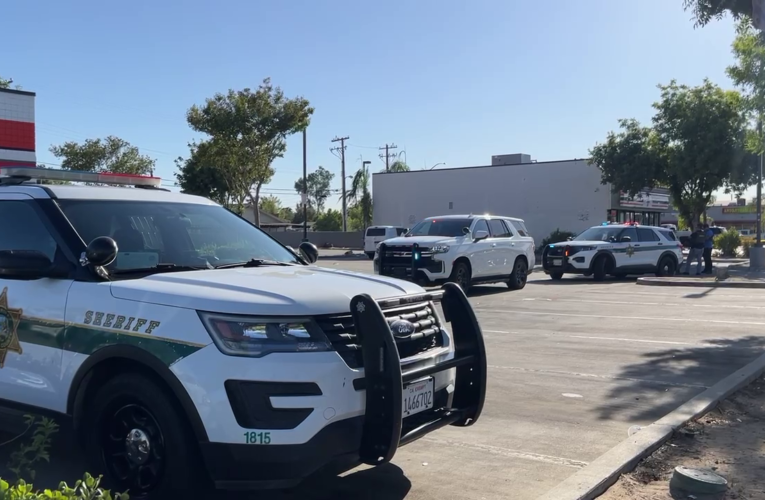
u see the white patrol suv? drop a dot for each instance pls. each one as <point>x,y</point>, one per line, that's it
<point>464,249</point>
<point>616,250</point>
<point>186,344</point>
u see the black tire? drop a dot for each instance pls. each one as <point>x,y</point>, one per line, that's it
<point>461,275</point>
<point>667,267</point>
<point>600,268</point>
<point>133,403</point>
<point>556,276</point>
<point>519,276</point>
<point>371,255</point>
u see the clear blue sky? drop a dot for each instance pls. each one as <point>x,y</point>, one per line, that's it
<point>447,81</point>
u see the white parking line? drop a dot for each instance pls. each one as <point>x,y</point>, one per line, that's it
<point>631,303</point>
<point>596,376</point>
<point>642,318</point>
<point>505,452</point>
<point>700,344</point>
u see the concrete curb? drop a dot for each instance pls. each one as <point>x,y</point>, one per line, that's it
<point>699,284</point>
<point>594,479</point>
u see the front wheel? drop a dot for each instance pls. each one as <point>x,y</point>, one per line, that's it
<point>519,276</point>
<point>139,440</point>
<point>667,267</point>
<point>461,275</point>
<point>556,276</point>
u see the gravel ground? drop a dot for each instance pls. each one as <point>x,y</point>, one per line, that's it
<point>729,440</point>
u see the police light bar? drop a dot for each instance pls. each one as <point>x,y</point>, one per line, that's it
<point>52,174</point>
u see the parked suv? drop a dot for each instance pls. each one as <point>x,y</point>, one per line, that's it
<point>181,339</point>
<point>464,249</point>
<point>375,235</point>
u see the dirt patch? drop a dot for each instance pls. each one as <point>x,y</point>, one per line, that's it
<point>729,440</point>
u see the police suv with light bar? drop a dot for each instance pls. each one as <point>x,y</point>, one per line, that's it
<point>616,250</point>
<point>181,339</point>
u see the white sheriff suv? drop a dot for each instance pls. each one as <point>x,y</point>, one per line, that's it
<point>191,349</point>
<point>616,250</point>
<point>463,249</point>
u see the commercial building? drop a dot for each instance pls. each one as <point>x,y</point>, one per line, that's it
<point>738,214</point>
<point>566,195</point>
<point>17,128</point>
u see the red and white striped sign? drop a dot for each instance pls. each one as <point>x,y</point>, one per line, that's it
<point>17,127</point>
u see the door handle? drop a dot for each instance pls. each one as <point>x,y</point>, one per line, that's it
<point>493,244</point>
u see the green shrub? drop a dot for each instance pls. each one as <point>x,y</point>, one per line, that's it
<point>87,488</point>
<point>728,242</point>
<point>34,449</point>
<point>557,236</point>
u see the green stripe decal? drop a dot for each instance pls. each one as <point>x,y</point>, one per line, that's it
<point>84,339</point>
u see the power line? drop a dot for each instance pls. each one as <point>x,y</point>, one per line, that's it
<point>342,140</point>
<point>387,156</point>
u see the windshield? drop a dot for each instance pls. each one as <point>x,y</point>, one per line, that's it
<point>153,234</point>
<point>440,227</point>
<point>604,233</point>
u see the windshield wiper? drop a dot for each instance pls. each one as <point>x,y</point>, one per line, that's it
<point>256,263</point>
<point>160,268</point>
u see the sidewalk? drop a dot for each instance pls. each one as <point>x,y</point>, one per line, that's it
<point>730,273</point>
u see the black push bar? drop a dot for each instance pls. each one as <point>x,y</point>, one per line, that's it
<point>384,380</point>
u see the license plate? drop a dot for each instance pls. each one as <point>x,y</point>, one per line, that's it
<point>418,396</point>
<point>557,262</point>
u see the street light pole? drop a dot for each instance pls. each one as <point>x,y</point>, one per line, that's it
<point>305,189</point>
<point>757,252</point>
<point>437,164</point>
<point>364,164</point>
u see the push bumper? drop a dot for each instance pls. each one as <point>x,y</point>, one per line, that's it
<point>561,264</point>
<point>374,437</point>
<point>413,263</point>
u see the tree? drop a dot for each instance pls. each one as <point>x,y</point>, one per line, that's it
<point>251,127</point>
<point>210,172</point>
<point>318,190</point>
<point>705,11</point>
<point>111,154</point>
<point>5,83</point>
<point>695,146</point>
<point>359,195</point>
<point>297,218</point>
<point>270,204</point>
<point>331,220</point>
<point>355,218</point>
<point>398,166</point>
<point>286,213</point>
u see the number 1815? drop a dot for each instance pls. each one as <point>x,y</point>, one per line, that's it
<point>257,437</point>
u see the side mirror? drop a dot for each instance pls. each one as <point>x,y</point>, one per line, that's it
<point>625,239</point>
<point>465,231</point>
<point>309,252</point>
<point>28,264</point>
<point>480,235</point>
<point>570,238</point>
<point>101,251</point>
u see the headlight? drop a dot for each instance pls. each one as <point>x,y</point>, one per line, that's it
<point>256,337</point>
<point>440,249</point>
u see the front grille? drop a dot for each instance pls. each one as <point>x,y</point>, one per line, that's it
<point>427,334</point>
<point>398,259</point>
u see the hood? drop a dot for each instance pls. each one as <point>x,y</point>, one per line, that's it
<point>294,290</point>
<point>420,240</point>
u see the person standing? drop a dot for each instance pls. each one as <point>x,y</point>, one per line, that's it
<point>709,243</point>
<point>696,252</point>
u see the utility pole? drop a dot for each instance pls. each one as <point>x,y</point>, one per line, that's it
<point>342,140</point>
<point>387,149</point>
<point>305,189</point>
<point>757,252</point>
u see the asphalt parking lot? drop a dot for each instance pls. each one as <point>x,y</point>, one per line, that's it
<point>573,365</point>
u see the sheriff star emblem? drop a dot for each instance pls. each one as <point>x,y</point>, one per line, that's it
<point>9,324</point>
<point>630,251</point>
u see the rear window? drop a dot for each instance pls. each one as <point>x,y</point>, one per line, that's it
<point>520,227</point>
<point>646,234</point>
<point>375,231</point>
<point>670,235</point>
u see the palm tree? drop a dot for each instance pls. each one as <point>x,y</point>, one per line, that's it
<point>399,166</point>
<point>359,194</point>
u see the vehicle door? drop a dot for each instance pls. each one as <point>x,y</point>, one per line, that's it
<point>503,251</point>
<point>34,282</point>
<point>627,249</point>
<point>479,251</point>
<point>650,246</point>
